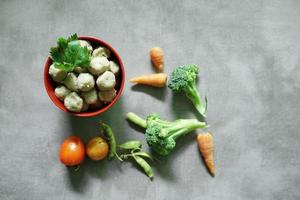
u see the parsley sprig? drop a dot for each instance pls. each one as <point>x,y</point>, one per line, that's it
<point>68,54</point>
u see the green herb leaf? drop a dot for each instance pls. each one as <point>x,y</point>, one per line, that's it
<point>68,54</point>
<point>73,37</point>
<point>144,165</point>
<point>66,66</point>
<point>62,43</point>
<point>133,144</point>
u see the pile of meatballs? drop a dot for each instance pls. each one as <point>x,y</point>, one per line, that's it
<point>87,88</point>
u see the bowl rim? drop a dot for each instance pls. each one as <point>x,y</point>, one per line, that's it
<point>55,100</point>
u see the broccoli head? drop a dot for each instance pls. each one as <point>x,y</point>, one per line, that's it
<point>183,79</point>
<point>161,135</point>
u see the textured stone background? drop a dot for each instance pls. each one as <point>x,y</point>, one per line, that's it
<point>249,53</point>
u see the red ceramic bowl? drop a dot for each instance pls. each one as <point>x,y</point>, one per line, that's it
<point>50,84</point>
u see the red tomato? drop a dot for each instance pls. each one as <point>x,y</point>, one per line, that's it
<point>72,151</point>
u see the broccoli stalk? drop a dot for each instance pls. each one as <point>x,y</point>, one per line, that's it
<point>183,79</point>
<point>137,120</point>
<point>193,94</point>
<point>161,135</point>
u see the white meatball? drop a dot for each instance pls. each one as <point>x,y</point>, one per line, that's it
<point>101,52</point>
<point>58,75</point>
<point>71,82</point>
<point>85,82</point>
<point>61,92</point>
<point>107,96</point>
<point>73,102</point>
<point>98,65</point>
<point>87,44</point>
<point>90,97</point>
<point>114,68</point>
<point>106,81</point>
<point>85,106</point>
<point>79,70</point>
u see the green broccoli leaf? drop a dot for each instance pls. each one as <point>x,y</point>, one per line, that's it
<point>69,54</point>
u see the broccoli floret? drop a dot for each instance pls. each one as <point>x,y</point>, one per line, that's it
<point>183,79</point>
<point>161,135</point>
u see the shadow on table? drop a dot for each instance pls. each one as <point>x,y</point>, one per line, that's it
<point>77,178</point>
<point>158,93</point>
<point>182,107</point>
<point>87,128</point>
<point>202,162</point>
<point>166,165</point>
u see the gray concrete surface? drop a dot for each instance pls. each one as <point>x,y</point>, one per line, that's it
<point>249,53</point>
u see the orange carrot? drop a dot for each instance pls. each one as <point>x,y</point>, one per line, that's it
<point>157,58</point>
<point>205,142</point>
<point>155,80</point>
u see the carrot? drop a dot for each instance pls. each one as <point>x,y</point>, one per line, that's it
<point>157,58</point>
<point>155,80</point>
<point>205,142</point>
